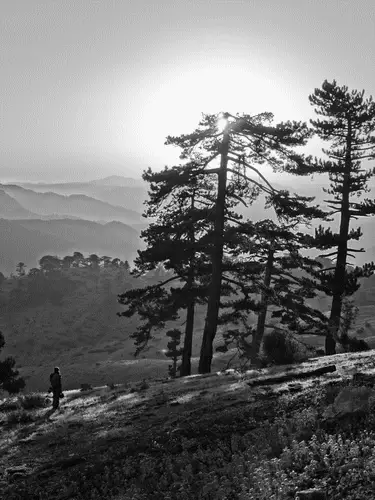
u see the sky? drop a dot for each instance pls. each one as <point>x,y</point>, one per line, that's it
<point>91,88</point>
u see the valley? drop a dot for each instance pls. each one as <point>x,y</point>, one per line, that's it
<point>81,332</point>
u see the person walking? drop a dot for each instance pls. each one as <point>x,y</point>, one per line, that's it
<point>56,386</point>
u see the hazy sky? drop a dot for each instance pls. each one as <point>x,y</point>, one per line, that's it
<point>90,88</point>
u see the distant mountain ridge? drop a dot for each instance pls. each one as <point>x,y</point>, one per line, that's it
<point>11,209</point>
<point>124,192</point>
<point>118,180</point>
<point>111,180</point>
<point>80,205</point>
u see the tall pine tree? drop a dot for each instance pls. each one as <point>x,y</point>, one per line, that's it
<point>246,141</point>
<point>179,203</point>
<point>348,124</point>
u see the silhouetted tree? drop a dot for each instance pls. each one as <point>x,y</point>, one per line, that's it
<point>78,260</point>
<point>178,201</point>
<point>246,142</point>
<point>180,242</point>
<point>174,352</point>
<point>273,272</point>
<point>67,262</point>
<point>93,261</point>
<point>49,264</point>
<point>9,379</point>
<point>106,261</point>
<point>20,269</point>
<point>348,124</point>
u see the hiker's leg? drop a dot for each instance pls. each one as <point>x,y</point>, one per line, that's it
<point>56,400</point>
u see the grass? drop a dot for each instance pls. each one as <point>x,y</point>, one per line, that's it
<point>203,437</point>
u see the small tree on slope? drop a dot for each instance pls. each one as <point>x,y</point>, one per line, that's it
<point>9,380</point>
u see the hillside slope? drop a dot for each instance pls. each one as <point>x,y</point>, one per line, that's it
<point>207,437</point>
<point>27,240</point>
<point>11,209</point>
<point>18,243</point>
<point>81,331</point>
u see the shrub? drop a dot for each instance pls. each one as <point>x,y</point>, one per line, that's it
<point>10,404</point>
<point>144,385</point>
<point>282,349</point>
<point>33,401</point>
<point>9,380</point>
<point>353,344</point>
<point>357,345</point>
<point>20,416</point>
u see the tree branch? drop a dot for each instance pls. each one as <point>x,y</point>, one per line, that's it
<point>328,254</point>
<point>244,163</point>
<point>250,180</point>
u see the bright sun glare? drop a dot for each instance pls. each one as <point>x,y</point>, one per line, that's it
<point>222,123</point>
<point>184,93</point>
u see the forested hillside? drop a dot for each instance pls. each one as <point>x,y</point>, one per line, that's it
<point>69,317</point>
<point>64,312</point>
<point>27,240</point>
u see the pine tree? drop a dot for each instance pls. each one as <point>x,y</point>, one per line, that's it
<point>179,201</point>
<point>246,142</point>
<point>9,380</point>
<point>174,351</point>
<point>348,124</point>
<point>20,269</point>
<point>275,275</point>
<point>182,199</point>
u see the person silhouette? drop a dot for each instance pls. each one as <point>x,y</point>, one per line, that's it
<point>56,386</point>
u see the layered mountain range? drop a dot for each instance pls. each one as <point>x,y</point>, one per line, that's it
<point>40,218</point>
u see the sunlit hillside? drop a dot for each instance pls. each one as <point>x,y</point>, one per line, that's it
<point>215,434</point>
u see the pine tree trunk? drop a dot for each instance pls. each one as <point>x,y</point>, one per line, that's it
<point>342,251</point>
<point>258,336</point>
<point>213,306</point>
<point>185,368</point>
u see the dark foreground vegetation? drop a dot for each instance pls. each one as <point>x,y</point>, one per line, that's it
<point>201,437</point>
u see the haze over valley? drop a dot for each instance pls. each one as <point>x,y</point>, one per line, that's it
<point>40,218</point>
<point>80,329</point>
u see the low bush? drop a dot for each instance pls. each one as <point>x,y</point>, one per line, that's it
<point>33,401</point>
<point>20,416</point>
<point>283,349</point>
<point>353,344</point>
<point>9,404</point>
